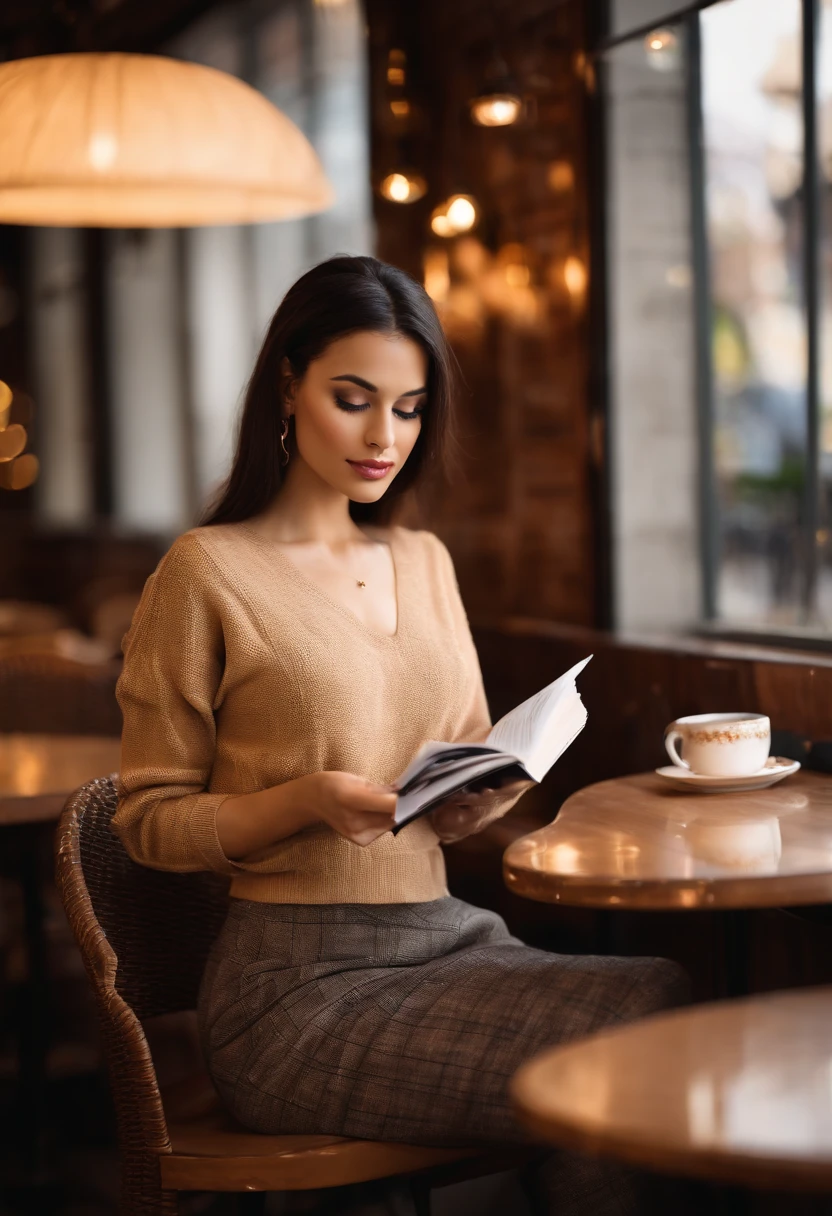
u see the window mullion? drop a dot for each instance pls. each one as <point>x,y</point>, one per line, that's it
<point>811,294</point>
<point>703,310</point>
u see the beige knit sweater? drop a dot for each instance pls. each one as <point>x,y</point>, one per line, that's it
<point>241,673</point>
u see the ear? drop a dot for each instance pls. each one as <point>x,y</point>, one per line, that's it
<point>288,385</point>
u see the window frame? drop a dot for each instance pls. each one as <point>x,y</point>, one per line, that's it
<point>809,634</point>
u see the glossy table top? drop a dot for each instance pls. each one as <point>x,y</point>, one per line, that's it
<point>637,843</point>
<point>738,1091</point>
<point>37,772</point>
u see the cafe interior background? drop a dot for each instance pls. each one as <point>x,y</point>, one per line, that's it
<point>613,209</point>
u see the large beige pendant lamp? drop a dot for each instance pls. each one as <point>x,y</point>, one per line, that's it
<point>142,141</point>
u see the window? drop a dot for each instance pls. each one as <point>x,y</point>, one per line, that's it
<point>719,295</point>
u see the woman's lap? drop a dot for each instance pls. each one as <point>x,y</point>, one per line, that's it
<point>398,1022</point>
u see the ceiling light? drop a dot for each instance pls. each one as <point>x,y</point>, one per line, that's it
<point>142,141</point>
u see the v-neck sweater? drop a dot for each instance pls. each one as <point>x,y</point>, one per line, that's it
<point>241,673</point>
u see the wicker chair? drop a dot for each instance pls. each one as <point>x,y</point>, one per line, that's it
<point>144,936</point>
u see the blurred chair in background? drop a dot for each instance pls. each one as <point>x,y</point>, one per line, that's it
<point>19,617</point>
<point>49,693</point>
<point>111,618</point>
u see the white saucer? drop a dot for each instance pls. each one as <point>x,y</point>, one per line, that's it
<point>775,769</point>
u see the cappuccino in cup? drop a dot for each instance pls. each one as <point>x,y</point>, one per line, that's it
<point>720,745</point>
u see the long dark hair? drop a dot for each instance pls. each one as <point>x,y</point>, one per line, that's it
<point>338,297</point>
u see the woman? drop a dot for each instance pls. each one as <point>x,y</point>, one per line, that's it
<point>287,660</point>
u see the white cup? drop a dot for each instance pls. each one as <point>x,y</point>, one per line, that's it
<point>720,745</point>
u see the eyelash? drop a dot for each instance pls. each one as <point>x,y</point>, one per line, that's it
<point>352,409</point>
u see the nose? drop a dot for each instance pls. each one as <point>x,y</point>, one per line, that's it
<point>379,431</point>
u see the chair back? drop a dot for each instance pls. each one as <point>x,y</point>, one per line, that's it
<point>144,936</point>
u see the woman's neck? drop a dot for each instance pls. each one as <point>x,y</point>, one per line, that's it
<point>308,511</point>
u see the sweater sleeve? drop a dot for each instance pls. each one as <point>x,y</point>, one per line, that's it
<point>173,665</point>
<point>475,721</point>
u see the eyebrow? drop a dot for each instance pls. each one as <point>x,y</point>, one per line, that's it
<point>371,388</point>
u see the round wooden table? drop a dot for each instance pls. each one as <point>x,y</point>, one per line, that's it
<point>737,1091</point>
<point>637,843</point>
<point>38,772</point>
<point>37,775</point>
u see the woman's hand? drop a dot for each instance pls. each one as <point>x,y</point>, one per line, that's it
<point>357,809</point>
<point>470,809</point>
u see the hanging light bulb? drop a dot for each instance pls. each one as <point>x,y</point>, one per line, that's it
<point>495,109</point>
<point>403,186</point>
<point>457,214</point>
<point>662,48</point>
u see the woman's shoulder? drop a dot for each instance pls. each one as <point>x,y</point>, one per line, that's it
<point>425,546</point>
<point>201,547</point>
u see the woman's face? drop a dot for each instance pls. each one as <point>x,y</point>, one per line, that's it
<point>361,401</point>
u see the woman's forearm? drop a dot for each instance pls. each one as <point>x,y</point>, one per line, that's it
<point>248,822</point>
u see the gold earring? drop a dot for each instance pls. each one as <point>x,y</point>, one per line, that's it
<point>284,431</point>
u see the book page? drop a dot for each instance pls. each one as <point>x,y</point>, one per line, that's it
<point>423,797</point>
<point>436,757</point>
<point>534,730</point>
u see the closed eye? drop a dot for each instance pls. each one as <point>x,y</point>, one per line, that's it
<point>352,408</point>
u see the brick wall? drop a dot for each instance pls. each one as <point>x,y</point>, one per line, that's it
<point>518,517</point>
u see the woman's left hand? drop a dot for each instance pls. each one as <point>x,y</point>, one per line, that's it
<point>470,809</point>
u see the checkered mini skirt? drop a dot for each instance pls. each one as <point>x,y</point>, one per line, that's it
<point>398,1021</point>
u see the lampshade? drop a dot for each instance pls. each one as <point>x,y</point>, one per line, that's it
<point>142,141</point>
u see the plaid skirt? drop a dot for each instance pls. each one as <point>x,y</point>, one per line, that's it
<point>398,1021</point>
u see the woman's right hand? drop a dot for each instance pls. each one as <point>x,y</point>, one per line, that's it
<point>357,809</point>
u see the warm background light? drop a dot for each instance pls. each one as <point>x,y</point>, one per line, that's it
<point>560,176</point>
<point>403,187</point>
<point>576,278</point>
<point>5,404</point>
<point>496,109</point>
<point>20,473</point>
<point>662,47</point>
<point>436,274</point>
<point>142,141</point>
<point>396,61</point>
<point>457,214</point>
<point>12,442</point>
<point>461,213</point>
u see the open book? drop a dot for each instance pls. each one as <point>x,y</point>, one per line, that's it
<point>523,745</point>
